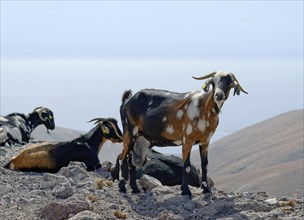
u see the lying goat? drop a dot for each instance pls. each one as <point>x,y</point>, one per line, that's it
<point>17,127</point>
<point>50,157</point>
<point>162,118</point>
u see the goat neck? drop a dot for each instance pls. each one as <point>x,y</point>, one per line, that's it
<point>33,120</point>
<point>210,104</point>
<point>95,138</point>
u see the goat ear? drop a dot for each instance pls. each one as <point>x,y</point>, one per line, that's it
<point>206,85</point>
<point>236,90</point>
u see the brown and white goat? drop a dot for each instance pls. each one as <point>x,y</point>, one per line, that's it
<point>51,157</point>
<point>163,118</point>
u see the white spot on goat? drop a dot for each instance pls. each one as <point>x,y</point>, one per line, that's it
<point>120,173</point>
<point>193,110</point>
<point>179,114</point>
<point>150,103</point>
<point>170,129</point>
<point>135,131</point>
<point>3,119</point>
<point>204,184</point>
<point>180,142</point>
<point>16,134</point>
<point>188,169</point>
<point>12,166</point>
<point>164,119</point>
<point>3,135</point>
<point>201,125</point>
<point>189,129</point>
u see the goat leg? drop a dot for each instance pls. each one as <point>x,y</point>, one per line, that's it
<point>124,174</point>
<point>115,170</point>
<point>204,163</point>
<point>133,176</point>
<point>186,170</point>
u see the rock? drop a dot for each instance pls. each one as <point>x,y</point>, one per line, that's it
<point>272,201</point>
<point>148,182</point>
<point>107,165</point>
<point>167,215</point>
<point>49,181</point>
<point>75,193</point>
<point>63,191</point>
<point>3,171</point>
<point>86,215</point>
<point>75,170</point>
<point>162,190</point>
<point>55,211</point>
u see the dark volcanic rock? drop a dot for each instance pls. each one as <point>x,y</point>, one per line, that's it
<point>73,193</point>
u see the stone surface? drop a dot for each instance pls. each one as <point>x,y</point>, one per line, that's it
<point>73,193</point>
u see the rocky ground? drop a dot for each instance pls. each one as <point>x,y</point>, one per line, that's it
<point>73,193</point>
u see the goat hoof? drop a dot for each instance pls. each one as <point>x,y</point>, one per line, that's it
<point>135,191</point>
<point>207,191</point>
<point>122,190</point>
<point>122,187</point>
<point>115,173</point>
<point>187,193</point>
<point>114,176</point>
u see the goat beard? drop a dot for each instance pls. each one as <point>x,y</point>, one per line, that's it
<point>219,103</point>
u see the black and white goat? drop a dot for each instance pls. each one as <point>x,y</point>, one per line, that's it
<point>163,118</point>
<point>17,127</point>
<point>51,157</point>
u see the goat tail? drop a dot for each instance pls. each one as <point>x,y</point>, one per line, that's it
<point>126,96</point>
<point>8,165</point>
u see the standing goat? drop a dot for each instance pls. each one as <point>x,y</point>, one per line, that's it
<point>51,157</point>
<point>17,127</point>
<point>162,118</point>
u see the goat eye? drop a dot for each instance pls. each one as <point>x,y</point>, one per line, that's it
<point>50,117</point>
<point>106,130</point>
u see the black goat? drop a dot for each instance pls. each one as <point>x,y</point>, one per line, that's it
<point>17,127</point>
<point>51,157</point>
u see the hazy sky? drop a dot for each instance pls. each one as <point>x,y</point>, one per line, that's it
<point>77,57</point>
<point>151,29</point>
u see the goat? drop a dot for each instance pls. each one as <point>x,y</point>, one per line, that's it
<point>51,157</point>
<point>17,127</point>
<point>163,118</point>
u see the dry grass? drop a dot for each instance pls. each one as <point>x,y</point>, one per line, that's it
<point>100,183</point>
<point>119,214</point>
<point>288,206</point>
<point>291,203</point>
<point>92,198</point>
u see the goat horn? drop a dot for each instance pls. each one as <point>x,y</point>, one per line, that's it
<point>36,109</point>
<point>97,120</point>
<point>39,110</point>
<point>205,77</point>
<point>239,86</point>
